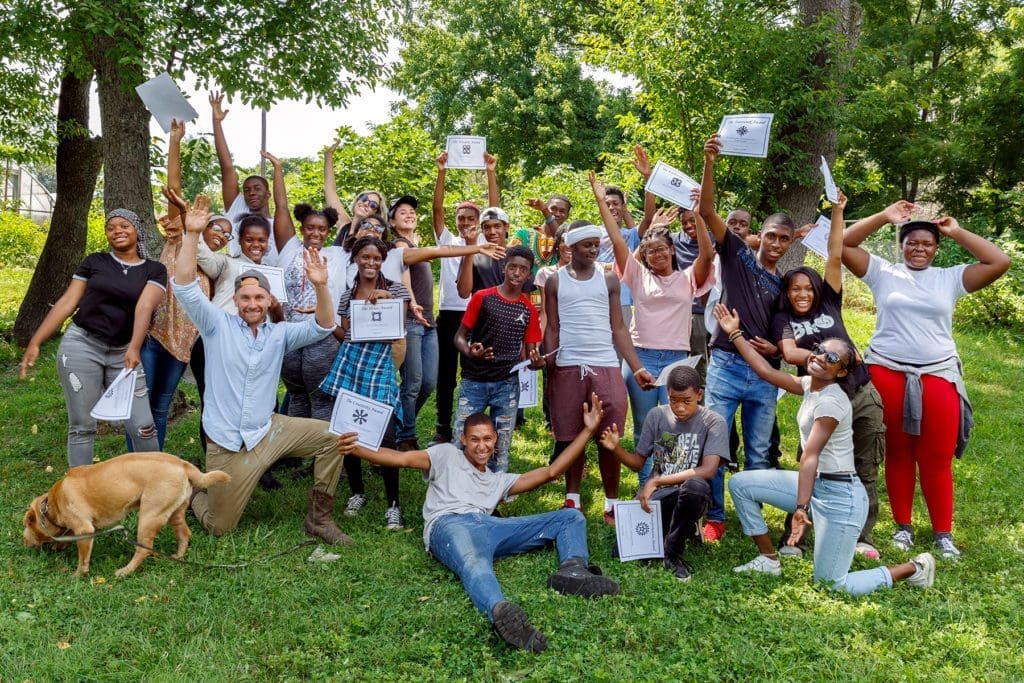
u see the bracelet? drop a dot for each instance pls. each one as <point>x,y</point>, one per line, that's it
<point>735,335</point>
<point>549,219</point>
<point>639,370</point>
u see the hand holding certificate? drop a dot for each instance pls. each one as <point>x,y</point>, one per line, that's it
<point>672,185</point>
<point>817,239</point>
<point>380,321</point>
<point>466,151</point>
<point>364,416</point>
<point>745,135</point>
<point>831,192</point>
<point>115,405</point>
<point>638,533</point>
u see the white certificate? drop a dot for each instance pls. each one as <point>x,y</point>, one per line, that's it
<point>817,239</point>
<point>745,135</point>
<point>638,533</point>
<point>528,388</point>
<point>690,362</point>
<point>115,405</point>
<point>830,184</point>
<point>671,184</point>
<point>466,151</point>
<point>381,321</point>
<point>164,100</point>
<point>274,275</point>
<point>364,416</point>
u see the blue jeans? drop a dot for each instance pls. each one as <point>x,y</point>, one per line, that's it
<point>502,397</point>
<point>838,510</point>
<point>469,543</point>
<point>163,373</point>
<point>640,401</point>
<point>419,375</point>
<point>732,383</point>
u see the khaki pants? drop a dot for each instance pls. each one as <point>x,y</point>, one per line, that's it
<point>289,437</point>
<point>868,449</point>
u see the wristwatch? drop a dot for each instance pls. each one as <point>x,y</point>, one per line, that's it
<point>804,506</point>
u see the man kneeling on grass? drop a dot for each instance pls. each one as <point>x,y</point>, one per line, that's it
<point>460,532</point>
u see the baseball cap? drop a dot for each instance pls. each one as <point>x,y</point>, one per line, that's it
<point>494,213</point>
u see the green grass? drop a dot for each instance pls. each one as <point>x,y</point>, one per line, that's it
<point>388,611</point>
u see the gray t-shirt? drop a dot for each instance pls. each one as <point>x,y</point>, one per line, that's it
<point>456,487</point>
<point>681,445</point>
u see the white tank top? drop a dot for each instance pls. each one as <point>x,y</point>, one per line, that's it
<point>584,330</point>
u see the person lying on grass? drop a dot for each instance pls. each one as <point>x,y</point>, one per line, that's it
<point>826,489</point>
<point>687,442</point>
<point>460,532</point>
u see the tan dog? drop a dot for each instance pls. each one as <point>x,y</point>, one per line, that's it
<point>97,496</point>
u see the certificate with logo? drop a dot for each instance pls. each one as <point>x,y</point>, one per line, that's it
<point>274,275</point>
<point>364,416</point>
<point>745,135</point>
<point>115,405</point>
<point>671,184</point>
<point>466,151</point>
<point>638,533</point>
<point>382,321</point>
<point>817,239</point>
<point>528,388</point>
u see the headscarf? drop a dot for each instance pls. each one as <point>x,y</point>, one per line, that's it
<point>133,218</point>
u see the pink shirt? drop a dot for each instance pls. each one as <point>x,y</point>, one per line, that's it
<point>661,305</point>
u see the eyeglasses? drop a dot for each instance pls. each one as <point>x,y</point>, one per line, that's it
<point>830,356</point>
<point>661,249</point>
<point>369,202</point>
<point>370,225</point>
<point>220,231</point>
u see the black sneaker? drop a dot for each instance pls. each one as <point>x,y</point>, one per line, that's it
<point>512,626</point>
<point>575,578</point>
<point>677,567</point>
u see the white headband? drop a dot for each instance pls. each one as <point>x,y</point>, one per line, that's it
<point>581,233</point>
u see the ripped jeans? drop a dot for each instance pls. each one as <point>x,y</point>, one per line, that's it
<point>502,397</point>
<point>85,367</point>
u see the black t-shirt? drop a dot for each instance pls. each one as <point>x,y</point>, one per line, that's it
<point>746,287</point>
<point>422,279</point>
<point>488,272</point>
<point>112,288</point>
<point>503,325</point>
<point>343,231</point>
<point>809,330</point>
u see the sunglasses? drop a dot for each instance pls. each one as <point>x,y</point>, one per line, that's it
<point>370,225</point>
<point>830,356</point>
<point>369,202</point>
<point>220,231</point>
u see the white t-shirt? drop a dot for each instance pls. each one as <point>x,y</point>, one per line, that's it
<point>449,299</point>
<point>392,268</point>
<point>915,310</point>
<point>456,487</point>
<point>238,210</point>
<point>222,270</point>
<point>302,294</point>
<point>837,455</point>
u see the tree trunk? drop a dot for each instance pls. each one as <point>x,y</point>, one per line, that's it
<point>79,158</point>
<point>125,122</point>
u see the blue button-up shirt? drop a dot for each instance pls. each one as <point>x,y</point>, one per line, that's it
<point>241,369</point>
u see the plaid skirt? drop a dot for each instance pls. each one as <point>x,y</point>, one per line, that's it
<point>367,369</point>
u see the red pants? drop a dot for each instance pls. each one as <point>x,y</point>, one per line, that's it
<point>931,452</point>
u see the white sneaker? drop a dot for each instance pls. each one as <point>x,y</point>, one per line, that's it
<point>867,550</point>
<point>393,518</point>
<point>355,504</point>
<point>924,577</point>
<point>903,539</point>
<point>791,551</point>
<point>947,549</point>
<point>761,563</point>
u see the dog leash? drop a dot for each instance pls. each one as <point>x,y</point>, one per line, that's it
<point>126,536</point>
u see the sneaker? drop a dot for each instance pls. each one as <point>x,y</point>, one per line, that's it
<point>575,578</point>
<point>713,531</point>
<point>924,577</point>
<point>677,567</point>
<point>356,503</point>
<point>791,551</point>
<point>761,563</point>
<point>947,549</point>
<point>867,550</point>
<point>903,539</point>
<point>512,626</point>
<point>609,517</point>
<point>393,518</point>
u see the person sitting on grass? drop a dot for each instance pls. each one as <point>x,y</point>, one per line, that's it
<point>461,533</point>
<point>687,442</point>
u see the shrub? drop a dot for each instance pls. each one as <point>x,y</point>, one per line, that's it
<point>21,241</point>
<point>1001,304</point>
<point>96,239</point>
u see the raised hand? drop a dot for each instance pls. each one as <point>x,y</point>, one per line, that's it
<point>274,161</point>
<point>841,202</point>
<point>536,204</point>
<point>728,321</point>
<point>217,104</point>
<point>804,229</point>
<point>899,212</point>
<point>664,217</point>
<point>610,438</point>
<point>177,129</point>
<point>947,225</point>
<point>442,161</point>
<point>495,251</point>
<point>315,266</point>
<point>712,148</point>
<point>597,186</point>
<point>593,413</point>
<point>490,161</point>
<point>641,162</point>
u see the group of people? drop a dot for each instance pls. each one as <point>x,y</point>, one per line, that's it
<point>602,310</point>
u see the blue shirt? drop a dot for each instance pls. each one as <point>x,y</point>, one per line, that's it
<point>606,254</point>
<point>242,370</point>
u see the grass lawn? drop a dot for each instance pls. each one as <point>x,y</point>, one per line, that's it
<point>388,611</point>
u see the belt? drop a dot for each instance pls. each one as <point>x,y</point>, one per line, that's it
<point>837,476</point>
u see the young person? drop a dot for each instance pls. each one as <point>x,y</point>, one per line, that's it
<point>499,328</point>
<point>462,534</point>
<point>686,441</point>
<point>826,489</point>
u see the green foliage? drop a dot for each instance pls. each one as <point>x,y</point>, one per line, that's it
<point>21,240</point>
<point>96,237</point>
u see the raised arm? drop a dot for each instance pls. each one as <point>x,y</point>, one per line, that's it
<point>315,269</point>
<point>284,227</point>
<point>437,206</point>
<point>704,264</point>
<point>730,324</point>
<point>992,261</point>
<point>195,219</point>
<point>331,197</point>
<point>642,163</point>
<point>174,163</point>
<point>619,246</point>
<point>854,257</point>
<point>419,460</point>
<point>707,190</point>
<point>228,174</point>
<point>834,264</point>
<point>528,481</point>
<point>493,194</point>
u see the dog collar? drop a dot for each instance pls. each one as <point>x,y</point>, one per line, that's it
<point>44,510</point>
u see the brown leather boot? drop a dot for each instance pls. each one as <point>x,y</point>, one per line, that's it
<point>319,519</point>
